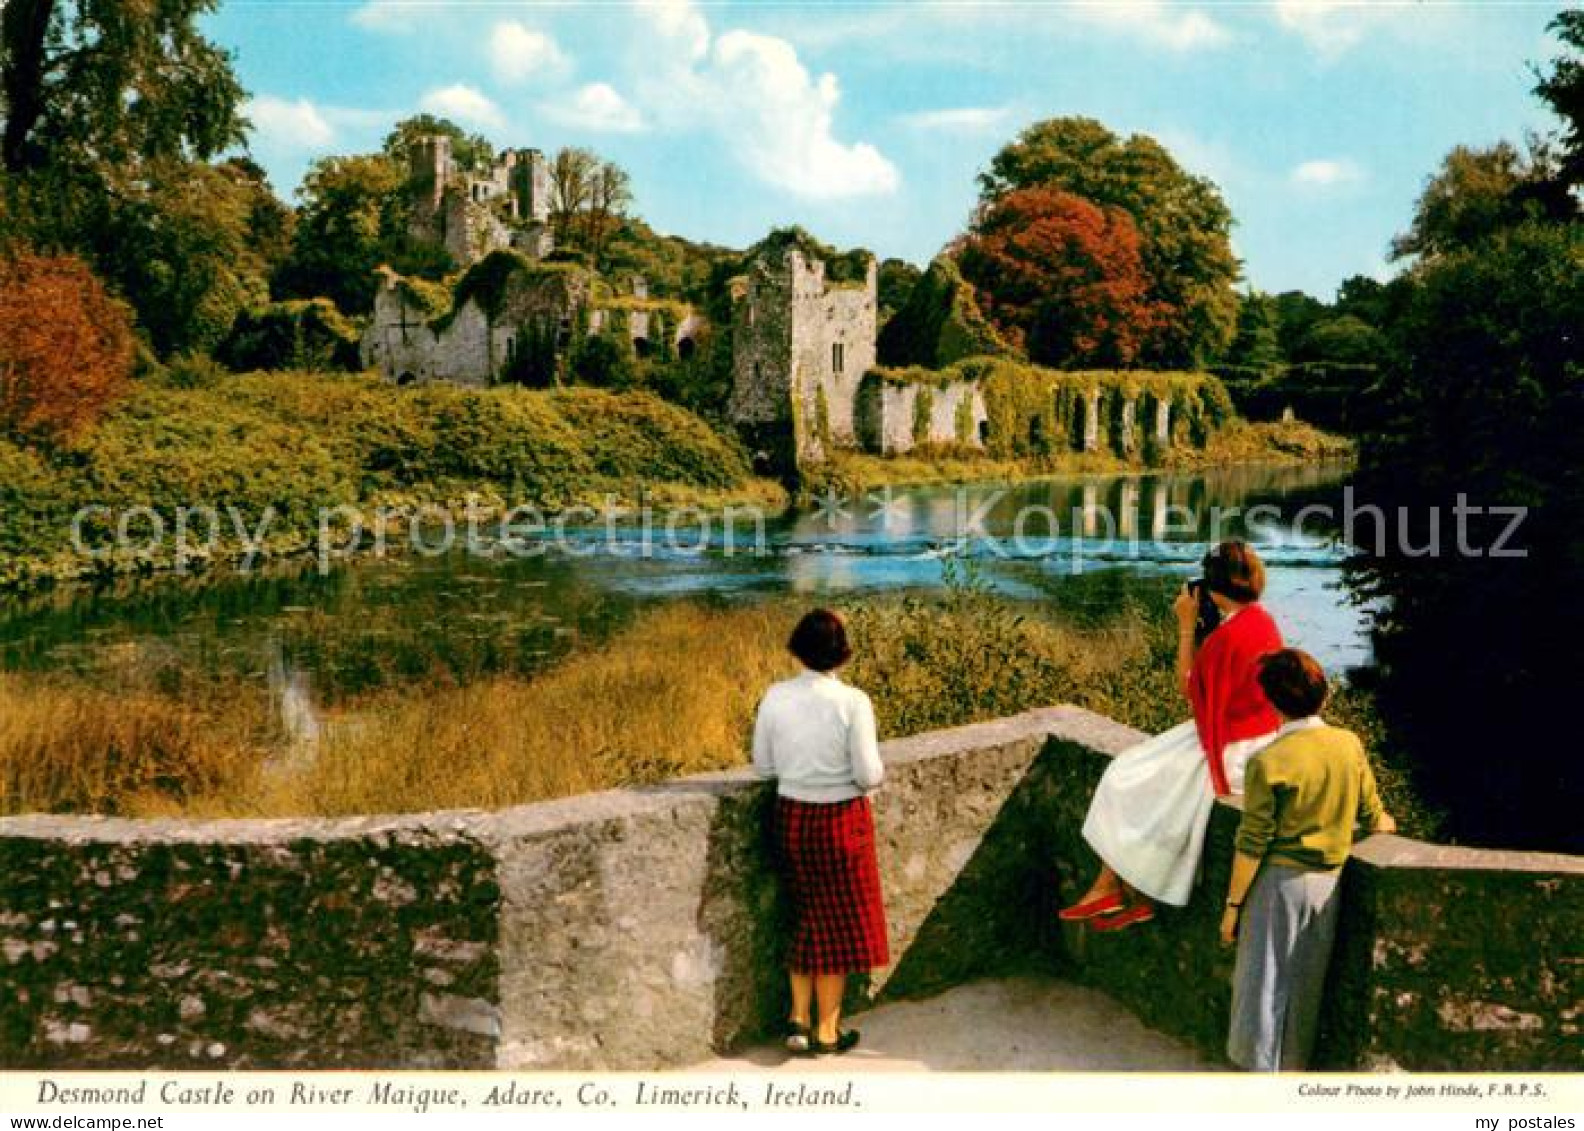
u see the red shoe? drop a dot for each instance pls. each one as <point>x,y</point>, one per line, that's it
<point>1138,913</point>
<point>1097,906</point>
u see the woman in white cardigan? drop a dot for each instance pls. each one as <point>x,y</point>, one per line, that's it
<point>816,737</point>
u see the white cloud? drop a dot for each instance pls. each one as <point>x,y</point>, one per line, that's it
<point>283,125</point>
<point>1330,26</point>
<point>1163,24</point>
<point>753,92</point>
<point>519,53</point>
<point>959,120</point>
<point>1327,173</point>
<point>464,105</point>
<point>597,106</point>
<point>384,15</point>
<point>1334,27</point>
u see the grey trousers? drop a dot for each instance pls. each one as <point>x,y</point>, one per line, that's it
<point>1284,945</point>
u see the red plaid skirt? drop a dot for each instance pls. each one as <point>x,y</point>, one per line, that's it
<point>827,856</point>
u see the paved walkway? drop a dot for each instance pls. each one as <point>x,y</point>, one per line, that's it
<point>1015,1025</point>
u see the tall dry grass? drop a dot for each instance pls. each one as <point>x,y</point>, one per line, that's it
<point>66,746</point>
<point>672,694</point>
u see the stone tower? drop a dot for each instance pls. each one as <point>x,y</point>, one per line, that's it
<point>429,165</point>
<point>801,345</point>
<point>530,186</point>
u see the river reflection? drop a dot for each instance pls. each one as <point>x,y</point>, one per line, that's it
<point>369,621</point>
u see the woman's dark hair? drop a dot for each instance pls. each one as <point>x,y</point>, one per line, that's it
<point>820,641</point>
<point>1234,570</point>
<point>1294,682</point>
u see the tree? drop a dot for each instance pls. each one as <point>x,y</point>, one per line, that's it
<point>895,281</point>
<point>469,151</point>
<point>605,360</point>
<point>1346,340</point>
<point>1184,225</point>
<point>1296,314</point>
<point>1474,649</point>
<point>66,347</point>
<point>352,217</point>
<point>1563,90</point>
<point>1257,344</point>
<point>1364,298</point>
<point>1474,195</point>
<point>1061,278</point>
<point>609,194</point>
<point>571,181</point>
<point>194,246</point>
<point>104,85</point>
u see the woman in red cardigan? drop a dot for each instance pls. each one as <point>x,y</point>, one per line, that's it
<point>1148,817</point>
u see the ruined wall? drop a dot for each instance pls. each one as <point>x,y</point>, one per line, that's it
<point>405,342</point>
<point>956,415</point>
<point>638,928</point>
<point>470,230</point>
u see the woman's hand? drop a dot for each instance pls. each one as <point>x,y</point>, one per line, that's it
<point>1386,823</point>
<point>1186,609</point>
<point>1229,925</point>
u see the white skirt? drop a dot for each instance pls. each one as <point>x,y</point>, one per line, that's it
<point>1150,811</point>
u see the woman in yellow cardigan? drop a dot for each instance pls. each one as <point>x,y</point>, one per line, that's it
<point>1302,795</point>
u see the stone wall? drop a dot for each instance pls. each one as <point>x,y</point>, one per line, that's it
<point>638,928</point>
<point>406,344</point>
<point>247,944</point>
<point>890,429</point>
<point>1448,958</point>
<point>801,346</point>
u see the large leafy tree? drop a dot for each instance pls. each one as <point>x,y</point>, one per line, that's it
<point>193,248</point>
<point>572,172</point>
<point>1475,650</point>
<point>1060,277</point>
<point>109,113</point>
<point>1184,224</point>
<point>103,85</point>
<point>589,197</point>
<point>353,218</point>
<point>1478,192</point>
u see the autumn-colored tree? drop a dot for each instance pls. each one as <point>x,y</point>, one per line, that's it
<point>65,346</point>
<point>1184,225</point>
<point>1061,278</point>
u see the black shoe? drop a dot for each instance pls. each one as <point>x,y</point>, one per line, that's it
<point>845,1041</point>
<point>798,1042</point>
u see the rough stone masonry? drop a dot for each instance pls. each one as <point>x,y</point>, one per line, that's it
<point>634,929</point>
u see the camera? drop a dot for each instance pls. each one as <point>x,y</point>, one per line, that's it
<point>1209,616</point>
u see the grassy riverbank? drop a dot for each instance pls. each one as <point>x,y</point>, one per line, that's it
<point>293,445</point>
<point>672,693</point>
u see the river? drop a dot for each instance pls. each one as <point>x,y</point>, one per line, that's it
<point>492,606</point>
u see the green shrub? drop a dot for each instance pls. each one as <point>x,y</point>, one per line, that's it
<point>301,334</point>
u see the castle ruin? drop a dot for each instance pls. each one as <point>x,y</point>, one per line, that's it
<point>471,213</point>
<point>803,352</point>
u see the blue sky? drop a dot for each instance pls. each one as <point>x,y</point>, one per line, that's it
<point>868,122</point>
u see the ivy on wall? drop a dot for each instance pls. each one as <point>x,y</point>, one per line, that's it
<point>923,410</point>
<point>1032,410</point>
